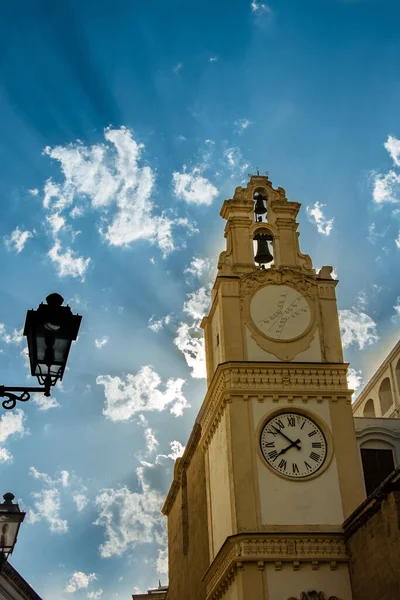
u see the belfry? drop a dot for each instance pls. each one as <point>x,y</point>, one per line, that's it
<point>271,470</point>
<point>268,499</point>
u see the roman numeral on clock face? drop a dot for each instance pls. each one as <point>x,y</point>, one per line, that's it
<point>268,444</point>
<point>308,467</point>
<point>316,445</point>
<point>282,464</point>
<point>291,421</point>
<point>280,424</point>
<point>295,468</point>
<point>312,433</point>
<point>273,455</point>
<point>315,456</point>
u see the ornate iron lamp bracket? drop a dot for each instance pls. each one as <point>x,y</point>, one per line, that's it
<point>23,396</point>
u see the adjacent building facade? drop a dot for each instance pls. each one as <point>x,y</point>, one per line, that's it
<point>274,463</point>
<point>14,587</point>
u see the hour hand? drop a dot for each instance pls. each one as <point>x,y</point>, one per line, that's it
<point>293,444</point>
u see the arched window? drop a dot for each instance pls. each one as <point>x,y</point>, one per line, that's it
<point>369,408</point>
<point>397,374</point>
<point>385,395</point>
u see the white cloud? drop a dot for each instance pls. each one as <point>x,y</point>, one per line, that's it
<point>162,561</point>
<point>241,125</point>
<point>16,337</point>
<point>396,316</point>
<point>17,239</point>
<point>158,324</point>
<point>34,192</point>
<point>56,222</point>
<point>151,440</point>
<point>373,235</point>
<point>5,455</point>
<point>190,342</point>
<point>177,68</point>
<point>362,300</point>
<point>79,580</point>
<point>259,8</point>
<point>199,266</point>
<point>130,518</point>
<point>43,402</point>
<point>193,188</point>
<point>177,450</point>
<point>11,424</point>
<point>100,342</point>
<point>213,58</point>
<point>357,328</point>
<point>393,147</point>
<point>354,378</point>
<point>47,506</point>
<point>95,595</point>
<point>108,177</point>
<point>48,501</point>
<point>67,262</point>
<point>385,187</point>
<point>235,160</point>
<point>397,241</point>
<point>316,215</point>
<point>141,392</point>
<point>198,303</point>
<point>80,500</point>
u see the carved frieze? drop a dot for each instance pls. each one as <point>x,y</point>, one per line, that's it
<point>314,595</point>
<point>253,281</point>
<point>323,382</point>
<point>277,549</point>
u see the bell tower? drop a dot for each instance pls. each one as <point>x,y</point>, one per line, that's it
<point>275,430</point>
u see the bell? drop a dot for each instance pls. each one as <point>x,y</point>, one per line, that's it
<point>263,254</point>
<point>260,208</point>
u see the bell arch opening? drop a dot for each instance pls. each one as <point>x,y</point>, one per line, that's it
<point>260,198</point>
<point>263,248</point>
<point>369,408</point>
<point>385,395</point>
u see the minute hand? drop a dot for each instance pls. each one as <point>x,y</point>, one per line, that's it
<point>287,438</point>
<point>288,447</point>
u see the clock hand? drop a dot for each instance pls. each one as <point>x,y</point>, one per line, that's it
<point>288,447</point>
<point>286,437</point>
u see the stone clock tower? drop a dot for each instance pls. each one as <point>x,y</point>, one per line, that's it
<point>271,469</point>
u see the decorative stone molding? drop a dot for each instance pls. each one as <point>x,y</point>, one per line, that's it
<point>251,282</point>
<point>272,548</point>
<point>11,576</point>
<point>181,464</point>
<point>323,382</point>
<point>314,595</point>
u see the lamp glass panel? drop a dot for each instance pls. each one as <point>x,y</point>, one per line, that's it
<point>8,532</point>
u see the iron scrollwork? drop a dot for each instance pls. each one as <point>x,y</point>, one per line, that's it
<point>23,395</point>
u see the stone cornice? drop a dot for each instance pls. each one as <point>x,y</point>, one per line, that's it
<point>181,464</point>
<point>323,381</point>
<point>11,576</point>
<point>259,548</point>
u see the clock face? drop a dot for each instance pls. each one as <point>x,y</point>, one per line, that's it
<point>280,312</point>
<point>293,444</point>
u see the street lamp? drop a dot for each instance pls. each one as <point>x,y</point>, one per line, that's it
<point>11,518</point>
<point>50,331</point>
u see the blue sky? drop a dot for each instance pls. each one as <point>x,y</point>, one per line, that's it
<point>124,125</point>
